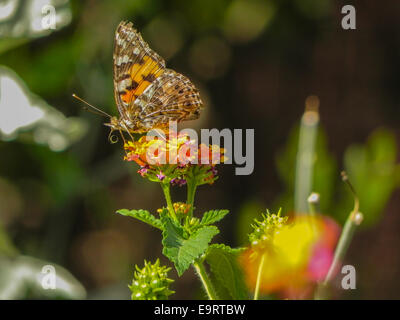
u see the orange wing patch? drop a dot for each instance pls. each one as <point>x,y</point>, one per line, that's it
<point>136,65</point>
<point>142,74</point>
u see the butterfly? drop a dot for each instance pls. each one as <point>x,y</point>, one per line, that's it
<point>147,94</point>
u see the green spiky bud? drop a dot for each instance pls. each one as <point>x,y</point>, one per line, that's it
<point>151,282</point>
<point>264,231</point>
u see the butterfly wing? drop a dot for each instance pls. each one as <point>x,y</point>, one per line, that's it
<point>136,66</point>
<point>171,97</point>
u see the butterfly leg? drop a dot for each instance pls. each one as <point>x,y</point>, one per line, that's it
<point>123,138</point>
<point>127,130</point>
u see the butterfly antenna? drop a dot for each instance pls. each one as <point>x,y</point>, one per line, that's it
<point>98,111</point>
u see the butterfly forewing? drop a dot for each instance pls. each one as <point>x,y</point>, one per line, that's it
<point>135,66</point>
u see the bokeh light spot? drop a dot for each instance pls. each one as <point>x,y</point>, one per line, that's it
<point>246,19</point>
<point>164,36</point>
<point>210,57</point>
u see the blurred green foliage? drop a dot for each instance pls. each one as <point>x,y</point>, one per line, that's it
<point>250,59</point>
<point>324,167</point>
<point>20,279</point>
<point>371,168</point>
<point>374,173</point>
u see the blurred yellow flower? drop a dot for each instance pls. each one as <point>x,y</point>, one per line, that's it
<point>292,256</point>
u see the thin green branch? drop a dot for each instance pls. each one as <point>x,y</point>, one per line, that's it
<point>166,190</point>
<point>191,191</point>
<point>313,203</point>
<point>208,287</point>
<point>353,221</point>
<point>305,154</point>
<point>259,273</point>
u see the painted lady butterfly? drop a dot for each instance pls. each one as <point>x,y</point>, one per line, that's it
<point>147,94</point>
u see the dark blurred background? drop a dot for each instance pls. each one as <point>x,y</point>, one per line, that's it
<point>255,63</point>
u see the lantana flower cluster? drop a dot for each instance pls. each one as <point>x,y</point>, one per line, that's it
<point>174,158</point>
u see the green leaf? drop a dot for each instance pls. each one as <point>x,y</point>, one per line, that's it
<point>373,171</point>
<point>213,216</point>
<point>142,215</point>
<point>181,248</point>
<point>227,275</point>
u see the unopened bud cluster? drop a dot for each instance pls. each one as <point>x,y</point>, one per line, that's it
<point>151,282</point>
<point>265,230</point>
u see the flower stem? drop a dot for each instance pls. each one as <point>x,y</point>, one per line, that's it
<point>305,154</point>
<point>191,191</point>
<point>313,209</point>
<point>165,187</point>
<point>208,287</point>
<point>260,267</point>
<point>313,204</point>
<point>353,221</point>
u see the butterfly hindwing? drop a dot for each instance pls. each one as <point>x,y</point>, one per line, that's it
<point>171,97</point>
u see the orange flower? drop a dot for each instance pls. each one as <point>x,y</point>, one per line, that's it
<point>175,149</point>
<point>173,157</point>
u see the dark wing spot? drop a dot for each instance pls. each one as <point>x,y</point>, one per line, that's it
<point>124,65</point>
<point>124,76</point>
<point>139,60</point>
<point>133,86</point>
<point>150,77</point>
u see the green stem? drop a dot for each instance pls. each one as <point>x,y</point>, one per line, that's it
<point>313,204</point>
<point>208,287</point>
<point>352,222</point>
<point>305,154</point>
<point>191,191</point>
<point>260,268</point>
<point>313,209</point>
<point>350,226</point>
<point>165,187</point>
